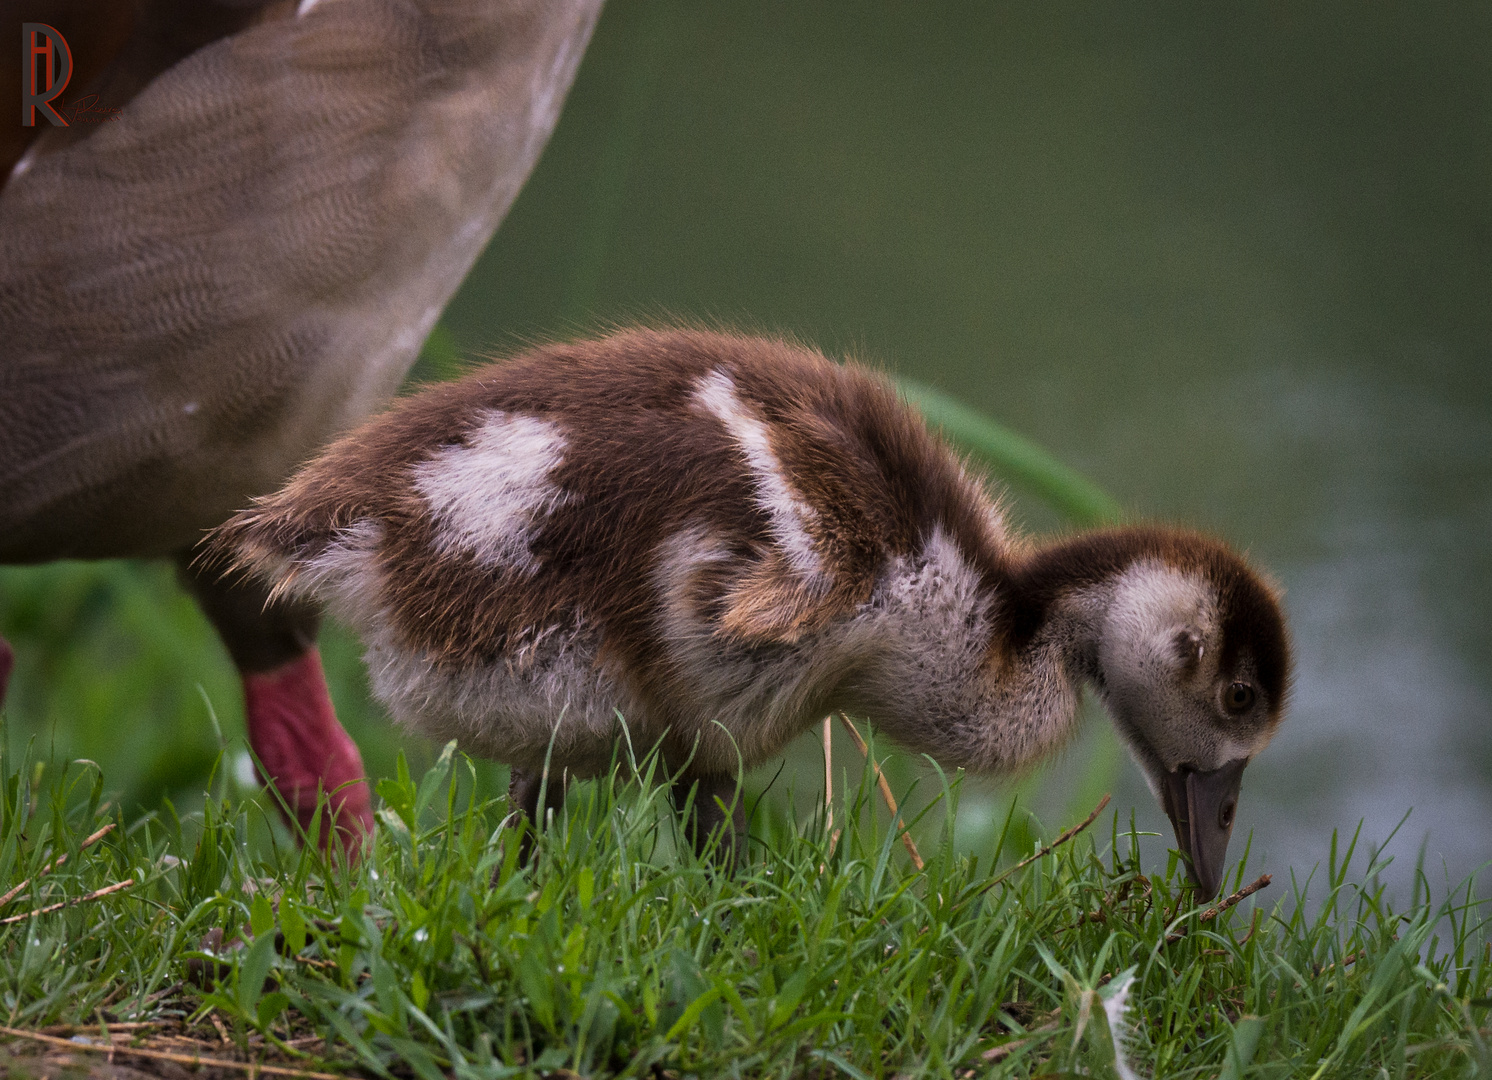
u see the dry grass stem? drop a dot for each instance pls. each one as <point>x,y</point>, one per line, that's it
<point>196,1061</point>
<point>906,837</point>
<point>1348,960</point>
<point>1004,1050</point>
<point>1043,853</point>
<point>58,861</point>
<point>87,1029</point>
<point>828,774</point>
<point>1112,901</point>
<point>94,895</point>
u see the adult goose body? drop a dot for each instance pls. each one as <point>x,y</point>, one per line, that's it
<point>719,539</point>
<point>240,264</point>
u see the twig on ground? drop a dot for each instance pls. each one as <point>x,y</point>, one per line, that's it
<point>58,861</point>
<point>906,837</point>
<point>1004,1050</point>
<point>1112,901</point>
<point>1043,853</point>
<point>125,1027</point>
<point>1213,912</point>
<point>94,895</point>
<point>194,1060</point>
<point>1253,925</point>
<point>1349,959</point>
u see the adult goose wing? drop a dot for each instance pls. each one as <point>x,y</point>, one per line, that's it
<point>196,294</point>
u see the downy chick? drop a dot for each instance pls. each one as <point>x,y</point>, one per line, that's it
<point>721,539</point>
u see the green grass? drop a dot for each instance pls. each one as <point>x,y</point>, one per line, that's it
<point>616,953</point>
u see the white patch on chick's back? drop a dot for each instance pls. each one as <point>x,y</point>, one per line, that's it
<point>790,515</point>
<point>489,496</point>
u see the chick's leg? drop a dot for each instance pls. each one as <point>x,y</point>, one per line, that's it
<point>293,729</point>
<point>525,789</point>
<point>716,809</point>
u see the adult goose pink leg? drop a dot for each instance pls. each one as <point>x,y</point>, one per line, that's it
<point>302,749</point>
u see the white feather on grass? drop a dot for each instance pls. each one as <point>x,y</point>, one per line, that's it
<point>1115,1005</point>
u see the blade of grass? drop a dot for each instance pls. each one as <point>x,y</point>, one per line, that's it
<point>1014,457</point>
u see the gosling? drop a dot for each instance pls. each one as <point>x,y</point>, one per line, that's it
<point>722,539</point>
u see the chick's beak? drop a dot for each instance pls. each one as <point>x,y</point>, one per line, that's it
<point>1201,806</point>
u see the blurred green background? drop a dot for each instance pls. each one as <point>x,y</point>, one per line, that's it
<point>1231,261</point>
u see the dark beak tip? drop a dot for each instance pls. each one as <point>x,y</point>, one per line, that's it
<point>1207,889</point>
<point>1202,807</point>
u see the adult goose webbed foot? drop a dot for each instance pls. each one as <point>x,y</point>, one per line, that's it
<point>724,538</point>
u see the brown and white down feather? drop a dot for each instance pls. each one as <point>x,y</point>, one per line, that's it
<point>720,539</point>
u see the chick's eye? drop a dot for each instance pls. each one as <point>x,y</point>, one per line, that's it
<point>1238,697</point>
